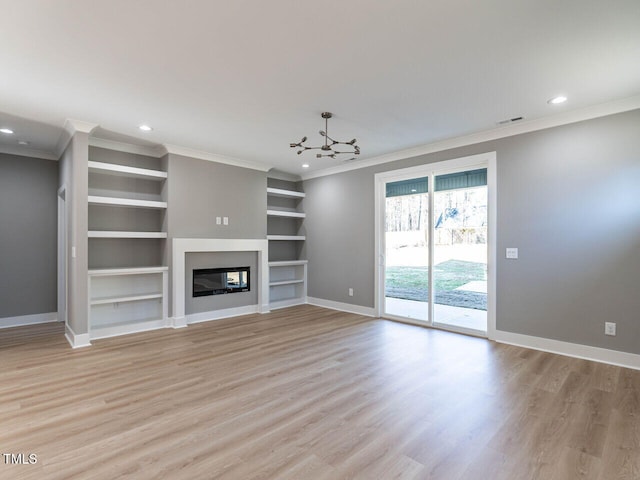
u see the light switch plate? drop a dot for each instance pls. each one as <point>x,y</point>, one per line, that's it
<point>225,220</point>
<point>512,253</point>
<point>218,220</point>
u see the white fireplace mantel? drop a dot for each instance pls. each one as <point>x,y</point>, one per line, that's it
<point>182,246</point>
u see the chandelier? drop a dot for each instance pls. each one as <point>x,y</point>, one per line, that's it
<point>327,150</point>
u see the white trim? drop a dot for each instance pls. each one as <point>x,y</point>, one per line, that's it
<point>21,151</point>
<point>573,116</point>
<point>280,175</point>
<point>106,331</point>
<point>69,129</point>
<point>212,157</point>
<point>156,151</point>
<point>287,302</point>
<point>586,352</point>
<point>181,246</point>
<point>343,307</point>
<point>75,340</point>
<point>220,314</point>
<point>21,320</point>
<point>73,126</point>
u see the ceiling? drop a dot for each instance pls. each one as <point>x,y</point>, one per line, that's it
<point>243,79</point>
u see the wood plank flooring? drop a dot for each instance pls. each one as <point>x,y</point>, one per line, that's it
<point>310,393</point>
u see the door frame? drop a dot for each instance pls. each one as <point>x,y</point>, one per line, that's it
<point>483,160</point>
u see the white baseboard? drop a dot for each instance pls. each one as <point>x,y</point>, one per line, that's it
<point>75,340</point>
<point>343,307</point>
<point>21,320</point>
<point>586,352</point>
<point>287,303</point>
<point>220,314</point>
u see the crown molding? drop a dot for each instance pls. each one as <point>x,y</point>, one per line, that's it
<point>146,150</point>
<point>572,116</point>
<point>74,126</point>
<point>211,157</point>
<point>70,128</point>
<point>280,175</point>
<point>27,152</point>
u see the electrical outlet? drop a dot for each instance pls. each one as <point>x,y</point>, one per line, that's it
<point>512,253</point>
<point>610,328</point>
<point>218,220</point>
<point>225,220</point>
<point>351,292</point>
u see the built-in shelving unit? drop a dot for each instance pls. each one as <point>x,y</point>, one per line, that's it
<point>287,283</point>
<point>127,300</point>
<point>287,272</point>
<point>126,218</point>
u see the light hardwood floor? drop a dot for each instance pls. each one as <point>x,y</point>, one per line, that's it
<point>309,393</point>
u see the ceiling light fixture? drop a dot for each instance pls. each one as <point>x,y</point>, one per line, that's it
<point>305,165</point>
<point>145,128</point>
<point>8,131</point>
<point>327,149</point>
<point>557,100</point>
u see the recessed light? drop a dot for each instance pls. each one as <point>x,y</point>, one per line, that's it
<point>305,165</point>
<point>23,143</point>
<point>8,131</point>
<point>145,128</point>
<point>557,100</point>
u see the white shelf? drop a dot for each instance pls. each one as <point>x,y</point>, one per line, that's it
<point>288,263</point>
<point>286,237</point>
<point>287,282</point>
<point>119,234</point>
<point>126,271</point>
<point>124,298</point>
<point>125,171</point>
<point>285,213</point>
<point>126,202</point>
<point>279,192</point>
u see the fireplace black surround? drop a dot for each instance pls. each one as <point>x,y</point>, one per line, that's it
<point>218,281</point>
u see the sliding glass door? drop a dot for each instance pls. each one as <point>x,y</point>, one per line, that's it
<point>433,245</point>
<point>460,250</point>
<point>407,248</point>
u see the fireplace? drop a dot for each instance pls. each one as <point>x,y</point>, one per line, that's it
<point>220,281</point>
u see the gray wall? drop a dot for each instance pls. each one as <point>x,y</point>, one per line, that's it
<point>28,236</point>
<point>197,191</point>
<point>200,190</point>
<point>567,198</point>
